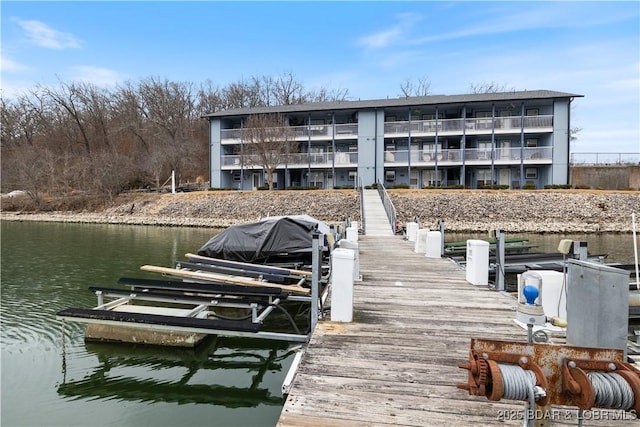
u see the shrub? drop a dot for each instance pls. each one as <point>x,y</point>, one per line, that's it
<point>446,187</point>
<point>557,186</point>
<point>529,186</point>
<point>304,188</point>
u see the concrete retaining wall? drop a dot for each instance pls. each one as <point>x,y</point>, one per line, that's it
<point>610,177</point>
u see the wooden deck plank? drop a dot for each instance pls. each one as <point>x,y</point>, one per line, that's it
<point>397,362</point>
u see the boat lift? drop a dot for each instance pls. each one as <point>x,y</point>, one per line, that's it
<point>198,289</point>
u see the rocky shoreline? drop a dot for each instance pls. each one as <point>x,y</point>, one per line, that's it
<point>539,211</point>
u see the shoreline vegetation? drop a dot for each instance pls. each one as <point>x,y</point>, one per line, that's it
<point>537,211</point>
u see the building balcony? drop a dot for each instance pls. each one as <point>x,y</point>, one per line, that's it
<point>470,126</point>
<point>294,160</point>
<point>470,156</point>
<point>415,128</point>
<point>303,133</point>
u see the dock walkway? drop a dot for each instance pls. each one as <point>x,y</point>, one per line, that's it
<point>377,222</point>
<point>397,362</point>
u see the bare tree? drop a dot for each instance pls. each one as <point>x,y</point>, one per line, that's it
<point>419,87</point>
<point>20,121</point>
<point>169,109</point>
<point>86,106</point>
<point>573,133</point>
<point>209,98</point>
<point>76,136</point>
<point>129,121</point>
<point>328,95</point>
<point>288,90</point>
<point>240,95</point>
<point>267,143</point>
<point>491,87</point>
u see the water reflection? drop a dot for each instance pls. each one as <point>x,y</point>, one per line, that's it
<point>55,381</point>
<point>223,371</point>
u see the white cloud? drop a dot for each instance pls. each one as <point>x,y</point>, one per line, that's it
<point>503,18</point>
<point>9,65</point>
<point>44,36</point>
<point>392,35</point>
<point>98,76</point>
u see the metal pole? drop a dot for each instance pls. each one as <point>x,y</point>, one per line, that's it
<point>441,226</point>
<point>500,260</point>
<point>635,250</point>
<point>493,142</point>
<point>315,281</point>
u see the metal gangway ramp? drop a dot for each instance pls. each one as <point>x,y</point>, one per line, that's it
<point>376,221</point>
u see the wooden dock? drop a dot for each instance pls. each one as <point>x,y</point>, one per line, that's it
<point>397,362</point>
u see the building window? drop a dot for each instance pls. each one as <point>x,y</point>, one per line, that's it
<point>413,178</point>
<point>236,176</point>
<point>353,175</point>
<point>531,142</point>
<point>484,175</point>
<point>531,173</point>
<point>430,178</point>
<point>532,112</point>
<point>317,179</point>
<point>390,176</point>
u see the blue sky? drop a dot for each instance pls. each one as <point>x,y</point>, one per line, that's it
<point>368,48</point>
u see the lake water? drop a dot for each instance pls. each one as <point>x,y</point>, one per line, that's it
<point>51,379</point>
<point>617,247</point>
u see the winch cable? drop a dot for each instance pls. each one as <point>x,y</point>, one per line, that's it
<point>518,384</point>
<point>612,391</point>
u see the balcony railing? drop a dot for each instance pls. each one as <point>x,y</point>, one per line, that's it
<point>531,155</point>
<point>481,125</point>
<point>349,158</point>
<point>302,133</point>
<point>470,125</point>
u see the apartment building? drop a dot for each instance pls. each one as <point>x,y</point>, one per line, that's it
<point>474,140</point>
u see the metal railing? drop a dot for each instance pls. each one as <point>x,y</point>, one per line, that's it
<point>455,155</point>
<point>388,206</point>
<point>470,125</point>
<point>323,159</point>
<point>605,158</point>
<point>322,132</point>
<point>363,220</point>
<point>479,125</point>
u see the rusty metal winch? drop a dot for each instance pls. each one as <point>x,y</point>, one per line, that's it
<point>548,374</point>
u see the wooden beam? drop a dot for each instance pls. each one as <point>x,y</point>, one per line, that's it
<point>214,277</point>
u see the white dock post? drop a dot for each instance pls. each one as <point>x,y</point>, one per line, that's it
<point>412,231</point>
<point>352,234</point>
<point>348,244</point>
<point>477,262</point>
<point>342,264</point>
<point>421,241</point>
<point>434,243</point>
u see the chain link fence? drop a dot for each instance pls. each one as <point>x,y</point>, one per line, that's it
<point>605,158</point>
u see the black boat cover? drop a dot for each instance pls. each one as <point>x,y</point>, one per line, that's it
<point>263,241</point>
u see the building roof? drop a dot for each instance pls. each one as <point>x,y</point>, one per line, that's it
<point>409,101</point>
